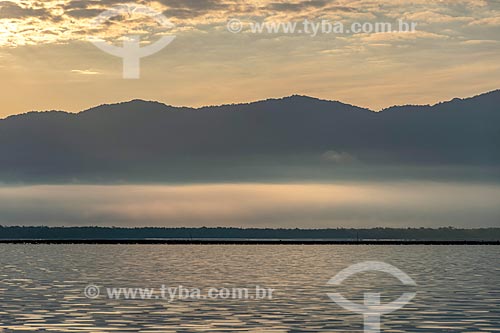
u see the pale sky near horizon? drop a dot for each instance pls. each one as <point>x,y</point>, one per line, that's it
<point>46,61</point>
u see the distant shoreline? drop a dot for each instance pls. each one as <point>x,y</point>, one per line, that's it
<point>237,242</point>
<point>232,235</point>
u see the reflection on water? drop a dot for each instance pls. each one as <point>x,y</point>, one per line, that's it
<point>41,288</point>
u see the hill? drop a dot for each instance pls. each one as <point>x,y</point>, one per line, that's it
<point>150,141</point>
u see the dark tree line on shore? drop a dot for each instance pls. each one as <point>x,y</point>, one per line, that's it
<point>438,234</point>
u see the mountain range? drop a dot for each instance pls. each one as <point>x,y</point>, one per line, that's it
<point>294,136</point>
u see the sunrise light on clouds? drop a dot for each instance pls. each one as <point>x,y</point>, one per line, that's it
<point>455,41</point>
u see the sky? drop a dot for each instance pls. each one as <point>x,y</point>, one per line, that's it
<point>47,61</point>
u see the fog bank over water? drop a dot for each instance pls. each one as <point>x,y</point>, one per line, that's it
<point>348,204</point>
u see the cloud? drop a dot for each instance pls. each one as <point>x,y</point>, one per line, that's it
<point>338,157</point>
<point>488,21</point>
<point>398,36</point>
<point>11,10</point>
<point>298,6</point>
<point>480,42</point>
<point>255,65</point>
<point>70,20</point>
<point>84,72</point>
<point>430,17</point>
<point>253,205</point>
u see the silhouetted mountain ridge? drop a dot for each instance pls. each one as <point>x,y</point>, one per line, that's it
<point>142,139</point>
<point>488,101</point>
<point>140,104</point>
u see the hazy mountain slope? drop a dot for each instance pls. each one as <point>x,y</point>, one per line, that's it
<point>150,140</point>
